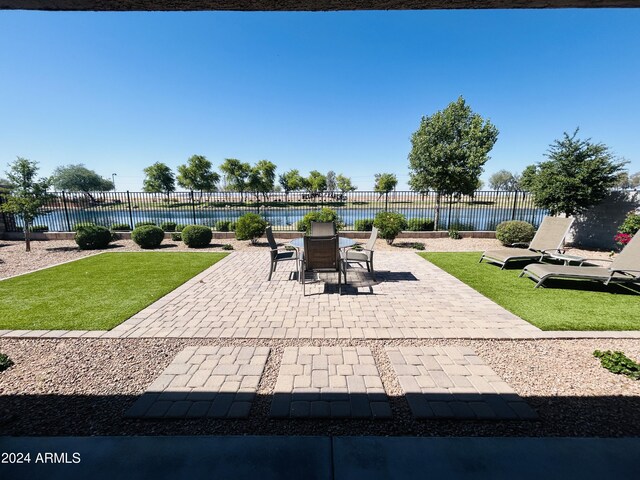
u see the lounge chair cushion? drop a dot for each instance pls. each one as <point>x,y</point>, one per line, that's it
<point>547,270</point>
<point>503,255</point>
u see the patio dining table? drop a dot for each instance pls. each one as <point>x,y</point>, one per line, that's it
<point>343,242</point>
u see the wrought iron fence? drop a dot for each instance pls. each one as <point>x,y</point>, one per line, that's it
<point>481,211</point>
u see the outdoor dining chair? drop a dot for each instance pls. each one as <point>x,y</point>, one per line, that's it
<point>321,254</point>
<point>363,255</point>
<point>322,229</point>
<point>278,255</point>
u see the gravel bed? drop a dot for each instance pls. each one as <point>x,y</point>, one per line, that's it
<point>84,386</point>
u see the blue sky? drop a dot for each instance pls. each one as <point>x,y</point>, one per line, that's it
<point>338,91</point>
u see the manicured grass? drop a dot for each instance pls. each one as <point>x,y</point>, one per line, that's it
<point>95,293</point>
<point>561,305</point>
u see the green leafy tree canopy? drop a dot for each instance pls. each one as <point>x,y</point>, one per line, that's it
<point>159,179</point>
<point>332,183</point>
<point>236,174</point>
<point>344,184</point>
<point>291,181</point>
<point>504,180</point>
<point>577,175</point>
<point>78,178</point>
<point>384,183</point>
<point>316,182</point>
<point>197,174</point>
<point>262,178</point>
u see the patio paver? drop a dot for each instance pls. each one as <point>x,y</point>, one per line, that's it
<point>205,382</point>
<point>329,382</point>
<point>453,382</point>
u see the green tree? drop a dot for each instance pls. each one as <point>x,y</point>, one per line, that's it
<point>197,174</point>
<point>331,181</point>
<point>159,179</point>
<point>385,182</point>
<point>634,180</point>
<point>577,175</point>
<point>504,180</point>
<point>291,181</point>
<point>261,179</point>
<point>448,152</point>
<point>623,180</point>
<point>344,184</point>
<point>78,178</point>
<point>316,182</point>
<point>27,195</point>
<point>236,174</point>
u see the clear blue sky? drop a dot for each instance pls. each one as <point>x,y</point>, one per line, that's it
<point>338,91</point>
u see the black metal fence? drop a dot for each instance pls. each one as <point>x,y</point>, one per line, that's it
<point>481,211</point>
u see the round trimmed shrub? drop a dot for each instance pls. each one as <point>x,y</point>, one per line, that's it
<point>168,226</point>
<point>420,224</point>
<point>364,225</point>
<point>389,225</point>
<point>93,237</point>
<point>39,228</point>
<point>176,236</point>
<point>196,236</point>
<point>147,236</point>
<point>515,231</point>
<point>324,215</point>
<point>250,226</point>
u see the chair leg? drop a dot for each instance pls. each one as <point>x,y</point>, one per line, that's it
<point>271,269</point>
<point>373,272</point>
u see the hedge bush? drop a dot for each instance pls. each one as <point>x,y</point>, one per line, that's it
<point>147,236</point>
<point>631,224</point>
<point>168,226</point>
<point>180,227</point>
<point>80,225</point>
<point>196,236</point>
<point>420,224</point>
<point>121,227</point>
<point>389,225</point>
<point>250,226</point>
<point>324,215</point>
<point>364,225</point>
<point>176,236</point>
<point>515,231</point>
<point>5,362</point>
<point>223,225</point>
<point>144,224</point>
<point>93,237</point>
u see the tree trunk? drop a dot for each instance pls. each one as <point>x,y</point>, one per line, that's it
<point>27,237</point>
<point>436,219</point>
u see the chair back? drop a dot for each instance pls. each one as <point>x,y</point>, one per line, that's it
<point>372,239</point>
<point>321,253</point>
<point>272,241</point>
<point>551,233</point>
<point>322,229</point>
<point>629,258</point>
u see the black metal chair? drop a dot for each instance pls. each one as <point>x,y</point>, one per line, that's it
<point>321,254</point>
<point>278,255</point>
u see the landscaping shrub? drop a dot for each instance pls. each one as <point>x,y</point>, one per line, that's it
<point>250,226</point>
<point>223,225</point>
<point>147,236</point>
<point>93,237</point>
<point>324,215</point>
<point>82,225</point>
<point>389,225</point>
<point>454,234</point>
<point>196,236</point>
<point>227,246</point>
<point>418,246</point>
<point>420,224</point>
<point>144,224</point>
<point>39,228</point>
<point>176,236</point>
<point>121,227</point>
<point>180,227</point>
<point>618,362</point>
<point>5,362</point>
<point>462,226</point>
<point>631,224</point>
<point>364,225</point>
<point>515,231</point>
<point>168,226</point>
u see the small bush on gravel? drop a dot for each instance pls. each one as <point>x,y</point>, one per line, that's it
<point>454,234</point>
<point>39,228</point>
<point>389,225</point>
<point>618,362</point>
<point>420,224</point>
<point>144,224</point>
<point>121,227</point>
<point>196,236</point>
<point>223,225</point>
<point>5,362</point>
<point>168,226</point>
<point>227,246</point>
<point>250,226</point>
<point>364,225</point>
<point>93,237</point>
<point>418,246</point>
<point>82,225</point>
<point>324,215</point>
<point>147,236</point>
<point>515,231</point>
<point>176,236</point>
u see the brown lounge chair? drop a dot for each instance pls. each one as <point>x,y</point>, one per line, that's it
<point>548,238</point>
<point>624,268</point>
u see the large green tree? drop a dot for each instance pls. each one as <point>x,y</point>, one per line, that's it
<point>384,183</point>
<point>27,195</point>
<point>634,180</point>
<point>291,181</point>
<point>316,182</point>
<point>197,174</point>
<point>504,180</point>
<point>236,174</point>
<point>344,184</point>
<point>448,152</point>
<point>577,175</point>
<point>159,179</point>
<point>261,179</point>
<point>332,183</point>
<point>78,178</point>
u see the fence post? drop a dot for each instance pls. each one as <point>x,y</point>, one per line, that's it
<point>193,207</point>
<point>66,211</point>
<point>130,211</point>
<point>449,214</point>
<point>515,202</point>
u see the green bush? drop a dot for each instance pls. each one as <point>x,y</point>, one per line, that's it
<point>227,246</point>
<point>250,226</point>
<point>454,234</point>
<point>39,228</point>
<point>196,236</point>
<point>79,225</point>
<point>93,237</point>
<point>145,224</point>
<point>418,246</point>
<point>324,215</point>
<point>5,362</point>
<point>223,225</point>
<point>420,224</point>
<point>389,225</point>
<point>515,231</point>
<point>176,236</point>
<point>121,227</point>
<point>618,362</point>
<point>147,236</point>
<point>364,225</point>
<point>462,226</point>
<point>168,226</point>
<point>631,224</point>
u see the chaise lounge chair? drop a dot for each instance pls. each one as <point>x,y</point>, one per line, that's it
<point>624,268</point>
<point>548,238</point>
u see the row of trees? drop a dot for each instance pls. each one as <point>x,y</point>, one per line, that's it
<point>506,180</point>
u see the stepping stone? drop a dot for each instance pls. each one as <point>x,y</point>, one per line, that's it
<point>218,382</point>
<point>329,382</point>
<point>453,382</point>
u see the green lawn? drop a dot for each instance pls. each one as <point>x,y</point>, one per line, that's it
<point>559,305</point>
<point>95,293</point>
